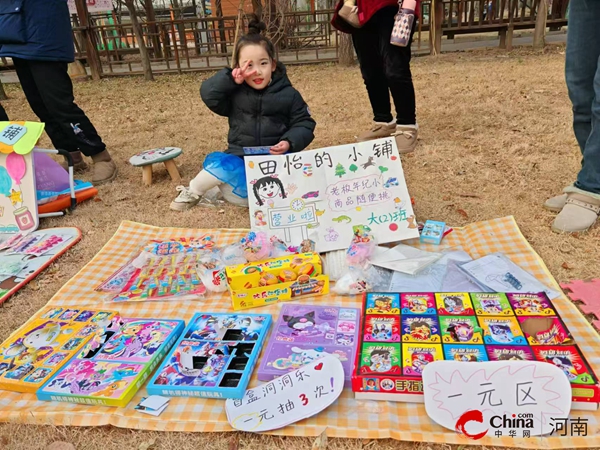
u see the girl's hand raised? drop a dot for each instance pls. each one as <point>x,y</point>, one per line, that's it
<point>239,74</point>
<point>281,148</point>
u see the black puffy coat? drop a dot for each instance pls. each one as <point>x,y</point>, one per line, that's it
<point>260,118</point>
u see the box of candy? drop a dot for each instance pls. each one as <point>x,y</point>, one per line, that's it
<point>278,279</point>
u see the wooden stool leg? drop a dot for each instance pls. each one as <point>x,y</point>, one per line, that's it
<point>147,174</point>
<point>172,169</point>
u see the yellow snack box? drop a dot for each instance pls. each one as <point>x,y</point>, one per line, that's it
<point>276,280</point>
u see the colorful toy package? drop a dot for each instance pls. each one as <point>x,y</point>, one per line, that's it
<point>32,354</point>
<point>111,369</point>
<point>164,270</point>
<point>279,279</point>
<point>466,327</point>
<point>214,357</point>
<point>491,304</point>
<point>304,333</point>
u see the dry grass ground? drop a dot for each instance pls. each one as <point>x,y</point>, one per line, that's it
<point>495,141</point>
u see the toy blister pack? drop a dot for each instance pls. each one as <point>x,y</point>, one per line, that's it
<point>44,344</point>
<point>164,270</point>
<point>214,357</point>
<point>114,364</point>
<point>304,333</point>
<point>467,327</point>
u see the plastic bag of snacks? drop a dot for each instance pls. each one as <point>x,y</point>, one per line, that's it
<point>211,271</point>
<point>360,276</point>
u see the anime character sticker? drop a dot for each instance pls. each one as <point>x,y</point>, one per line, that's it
<point>454,304</point>
<point>420,360</point>
<point>267,190</point>
<point>501,333</point>
<point>565,364</point>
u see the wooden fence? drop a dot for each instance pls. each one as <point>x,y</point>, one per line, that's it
<point>193,44</point>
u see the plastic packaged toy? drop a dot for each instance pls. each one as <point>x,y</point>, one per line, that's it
<point>32,354</point>
<point>304,333</point>
<point>111,374</point>
<point>213,358</point>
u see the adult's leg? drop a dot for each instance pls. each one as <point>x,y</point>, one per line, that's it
<point>581,64</point>
<point>57,135</point>
<point>396,63</point>
<point>583,81</point>
<point>3,115</point>
<point>366,45</point>
<point>56,90</point>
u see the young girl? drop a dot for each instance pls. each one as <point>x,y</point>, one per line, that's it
<point>263,109</point>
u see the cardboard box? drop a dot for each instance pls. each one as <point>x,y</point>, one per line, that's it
<point>276,280</point>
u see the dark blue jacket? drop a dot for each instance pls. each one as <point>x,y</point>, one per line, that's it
<point>37,30</point>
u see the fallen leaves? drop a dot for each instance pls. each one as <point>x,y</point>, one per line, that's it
<point>147,445</point>
<point>234,442</point>
<point>60,445</point>
<point>320,443</point>
<point>463,213</point>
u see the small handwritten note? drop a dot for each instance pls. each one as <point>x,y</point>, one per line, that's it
<point>498,398</point>
<point>288,399</point>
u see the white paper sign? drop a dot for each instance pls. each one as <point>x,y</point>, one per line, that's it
<point>94,6</point>
<point>326,195</point>
<point>288,399</point>
<point>496,398</point>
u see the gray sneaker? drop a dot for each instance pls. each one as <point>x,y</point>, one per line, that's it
<point>556,204</point>
<point>185,200</point>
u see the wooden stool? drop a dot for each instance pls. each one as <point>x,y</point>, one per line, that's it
<point>147,158</point>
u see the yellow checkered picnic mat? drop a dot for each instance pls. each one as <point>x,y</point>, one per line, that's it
<point>347,418</point>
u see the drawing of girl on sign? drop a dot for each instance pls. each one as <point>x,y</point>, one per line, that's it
<point>267,190</point>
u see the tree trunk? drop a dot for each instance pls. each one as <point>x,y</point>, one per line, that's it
<point>178,15</point>
<point>257,8</point>
<point>435,28</point>
<point>139,36</point>
<point>89,36</point>
<point>346,50</point>
<point>219,13</point>
<point>151,18</point>
<point>539,40</point>
<point>3,95</point>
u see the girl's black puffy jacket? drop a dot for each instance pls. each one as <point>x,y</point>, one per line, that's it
<point>260,117</point>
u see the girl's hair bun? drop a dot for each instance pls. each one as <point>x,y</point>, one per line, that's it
<point>255,26</point>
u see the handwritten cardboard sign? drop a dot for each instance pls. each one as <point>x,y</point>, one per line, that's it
<point>288,399</point>
<point>327,195</point>
<point>497,398</point>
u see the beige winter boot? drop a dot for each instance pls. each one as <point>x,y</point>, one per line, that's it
<point>556,204</point>
<point>378,130</point>
<point>579,213</point>
<point>406,138</point>
<point>105,169</point>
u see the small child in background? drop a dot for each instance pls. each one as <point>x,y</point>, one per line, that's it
<point>263,110</point>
